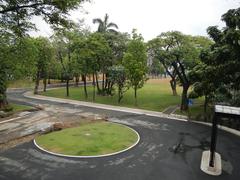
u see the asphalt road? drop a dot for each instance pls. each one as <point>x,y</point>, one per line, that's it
<point>154,158</point>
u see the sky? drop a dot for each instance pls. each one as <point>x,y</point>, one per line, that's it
<point>151,17</point>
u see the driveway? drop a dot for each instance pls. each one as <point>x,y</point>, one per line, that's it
<point>168,150</point>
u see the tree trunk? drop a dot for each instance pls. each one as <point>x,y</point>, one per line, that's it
<point>85,85</point>
<point>44,84</point>
<point>77,80</point>
<point>67,86</point>
<point>3,101</point>
<point>49,80</point>
<point>119,95</point>
<point>205,107</point>
<point>98,88</point>
<point>94,87</point>
<point>173,84</point>
<point>103,82</point>
<point>37,83</point>
<point>135,95</point>
<point>83,77</point>
<point>3,88</point>
<point>184,103</point>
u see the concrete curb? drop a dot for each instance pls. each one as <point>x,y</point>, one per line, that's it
<point>96,156</point>
<point>29,94</point>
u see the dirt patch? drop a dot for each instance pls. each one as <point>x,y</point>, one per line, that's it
<point>56,127</point>
<point>13,143</point>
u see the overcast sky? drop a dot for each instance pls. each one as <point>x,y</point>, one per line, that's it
<point>151,17</point>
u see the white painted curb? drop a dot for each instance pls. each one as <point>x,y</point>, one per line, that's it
<point>96,156</point>
<point>29,94</point>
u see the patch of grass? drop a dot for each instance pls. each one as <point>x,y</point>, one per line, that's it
<point>154,96</point>
<point>27,83</point>
<point>23,83</point>
<point>196,112</point>
<point>12,109</point>
<point>19,108</point>
<point>89,139</point>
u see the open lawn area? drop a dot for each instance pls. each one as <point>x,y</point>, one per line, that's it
<point>156,95</point>
<point>97,138</point>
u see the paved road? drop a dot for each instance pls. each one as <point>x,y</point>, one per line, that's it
<point>155,157</point>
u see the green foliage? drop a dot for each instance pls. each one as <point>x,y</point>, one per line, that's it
<point>135,62</point>
<point>217,76</point>
<point>117,76</point>
<point>15,15</point>
<point>104,25</point>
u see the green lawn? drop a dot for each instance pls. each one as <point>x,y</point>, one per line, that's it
<point>19,108</point>
<point>153,96</point>
<point>156,95</point>
<point>89,139</point>
<point>12,109</point>
<point>196,112</point>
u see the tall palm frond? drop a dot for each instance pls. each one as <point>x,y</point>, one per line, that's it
<point>104,26</point>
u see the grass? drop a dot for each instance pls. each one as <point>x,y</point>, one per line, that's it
<point>194,111</point>
<point>89,139</point>
<point>23,83</point>
<point>19,108</point>
<point>12,109</point>
<point>155,95</point>
<point>27,83</point>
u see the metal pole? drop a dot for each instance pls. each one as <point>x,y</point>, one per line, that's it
<point>213,140</point>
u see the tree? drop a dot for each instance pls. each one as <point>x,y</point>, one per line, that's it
<point>178,53</point>
<point>117,76</point>
<point>104,25</point>
<point>16,15</point>
<point>63,42</point>
<point>94,55</point>
<point>135,63</point>
<point>157,50</point>
<point>44,56</point>
<point>221,62</point>
<point>15,19</point>
<point>17,57</point>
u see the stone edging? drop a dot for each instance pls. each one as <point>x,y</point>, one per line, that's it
<point>96,156</point>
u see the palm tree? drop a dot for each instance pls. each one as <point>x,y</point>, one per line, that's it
<point>104,25</point>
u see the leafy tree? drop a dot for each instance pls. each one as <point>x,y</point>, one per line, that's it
<point>104,25</point>
<point>221,62</point>
<point>16,15</point>
<point>135,63</point>
<point>4,57</point>
<point>44,56</point>
<point>179,53</point>
<point>117,76</point>
<point>15,19</point>
<point>63,42</point>
<point>94,55</point>
<point>157,50</point>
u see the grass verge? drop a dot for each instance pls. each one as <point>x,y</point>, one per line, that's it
<point>89,139</point>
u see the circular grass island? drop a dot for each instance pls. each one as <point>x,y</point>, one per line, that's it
<point>89,140</point>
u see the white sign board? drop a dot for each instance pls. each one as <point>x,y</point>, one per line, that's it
<point>227,110</point>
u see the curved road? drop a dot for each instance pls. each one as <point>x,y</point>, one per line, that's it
<point>155,157</point>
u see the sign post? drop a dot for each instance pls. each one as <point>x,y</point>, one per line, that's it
<point>211,160</point>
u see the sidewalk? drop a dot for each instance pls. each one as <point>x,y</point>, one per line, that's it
<point>107,107</point>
